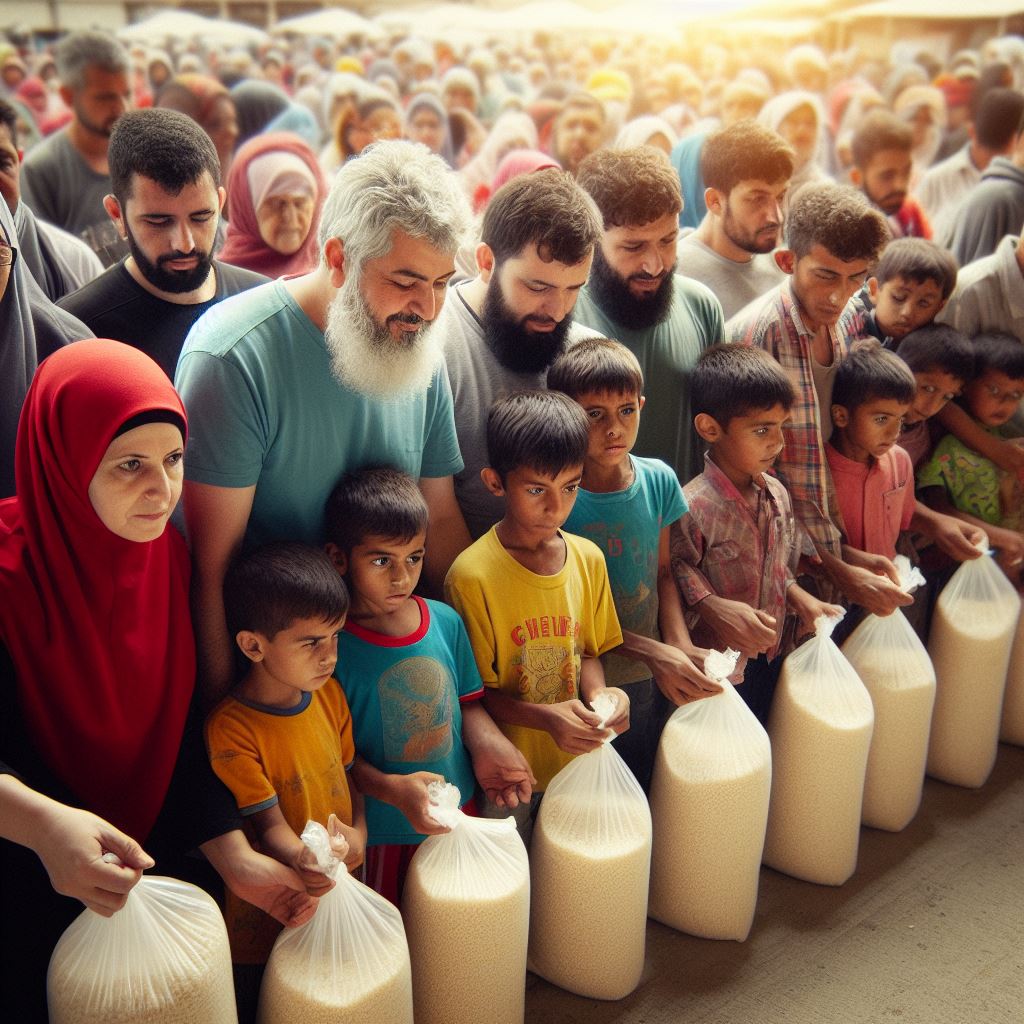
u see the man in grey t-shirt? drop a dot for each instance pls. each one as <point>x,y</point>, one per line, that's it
<point>65,177</point>
<point>505,327</point>
<point>746,168</point>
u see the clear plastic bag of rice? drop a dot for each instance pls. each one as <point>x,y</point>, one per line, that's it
<point>897,671</point>
<point>1011,729</point>
<point>590,861</point>
<point>349,964</point>
<point>970,641</point>
<point>709,802</point>
<point>162,959</point>
<point>465,888</point>
<point>820,727</point>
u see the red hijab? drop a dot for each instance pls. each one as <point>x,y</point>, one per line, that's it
<point>98,627</point>
<point>244,245</point>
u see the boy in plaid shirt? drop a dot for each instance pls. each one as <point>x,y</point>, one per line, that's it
<point>833,238</point>
<point>734,552</point>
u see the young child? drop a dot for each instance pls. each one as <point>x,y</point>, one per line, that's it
<point>536,602</point>
<point>734,552</point>
<point>873,476</point>
<point>942,362</point>
<point>408,672</point>
<point>625,505</point>
<point>963,482</point>
<point>281,741</point>
<point>911,284</point>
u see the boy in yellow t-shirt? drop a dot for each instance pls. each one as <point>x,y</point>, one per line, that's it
<point>281,741</point>
<point>536,602</point>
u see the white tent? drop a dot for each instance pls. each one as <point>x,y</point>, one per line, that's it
<point>185,25</point>
<point>331,23</point>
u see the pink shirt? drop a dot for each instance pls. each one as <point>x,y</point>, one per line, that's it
<point>876,500</point>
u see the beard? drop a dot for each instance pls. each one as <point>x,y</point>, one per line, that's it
<point>365,356</point>
<point>611,292</point>
<point>175,282</point>
<point>511,341</point>
<point>755,243</point>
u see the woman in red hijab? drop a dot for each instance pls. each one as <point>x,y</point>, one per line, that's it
<point>276,190</point>
<point>97,659</point>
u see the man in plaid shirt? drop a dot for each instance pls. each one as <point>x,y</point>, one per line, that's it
<point>833,238</point>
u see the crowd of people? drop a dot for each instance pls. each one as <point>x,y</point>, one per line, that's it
<point>492,380</point>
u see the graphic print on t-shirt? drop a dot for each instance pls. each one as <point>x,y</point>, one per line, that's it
<point>547,673</point>
<point>416,710</point>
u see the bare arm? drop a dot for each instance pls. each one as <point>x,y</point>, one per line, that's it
<point>1003,453</point>
<point>674,662</point>
<point>572,725</point>
<point>406,792</point>
<point>447,535</point>
<point>216,518</point>
<point>71,843</point>
<point>872,582</point>
<point>500,768</point>
<point>956,538</point>
<point>259,880</point>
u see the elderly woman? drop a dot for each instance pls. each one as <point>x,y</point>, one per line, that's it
<point>97,666</point>
<point>276,190</point>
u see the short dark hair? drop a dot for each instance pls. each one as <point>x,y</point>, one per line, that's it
<point>871,372</point>
<point>543,430</point>
<point>998,117</point>
<point>1000,352</point>
<point>732,380</point>
<point>938,347</point>
<point>547,209</point>
<point>270,588</point>
<point>597,366</point>
<point>838,218</point>
<point>375,501</point>
<point>879,130</point>
<point>918,260</point>
<point>163,145</point>
<point>631,186</point>
<point>745,151</point>
<point>9,118</point>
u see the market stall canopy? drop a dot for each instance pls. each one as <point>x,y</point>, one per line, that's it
<point>931,10</point>
<point>331,23</point>
<point>185,25</point>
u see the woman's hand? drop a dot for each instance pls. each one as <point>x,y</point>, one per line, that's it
<point>72,844</point>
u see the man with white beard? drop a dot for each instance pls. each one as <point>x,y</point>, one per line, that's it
<point>300,380</point>
<point>505,327</point>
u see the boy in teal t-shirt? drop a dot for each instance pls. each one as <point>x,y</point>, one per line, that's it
<point>625,505</point>
<point>409,676</point>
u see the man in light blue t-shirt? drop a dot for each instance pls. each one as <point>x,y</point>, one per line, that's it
<point>298,381</point>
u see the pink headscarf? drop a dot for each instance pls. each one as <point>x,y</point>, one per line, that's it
<point>244,246</point>
<point>512,165</point>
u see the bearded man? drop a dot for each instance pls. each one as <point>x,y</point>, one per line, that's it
<point>165,203</point>
<point>301,380</point>
<point>635,296</point>
<point>505,327</point>
<point>65,177</point>
<point>746,168</point>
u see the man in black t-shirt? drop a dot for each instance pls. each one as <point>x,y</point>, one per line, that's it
<point>166,204</point>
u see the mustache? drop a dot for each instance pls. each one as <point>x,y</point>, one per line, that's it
<point>177,254</point>
<point>406,318</point>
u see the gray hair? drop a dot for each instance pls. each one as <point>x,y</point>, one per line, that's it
<point>82,50</point>
<point>393,186</point>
